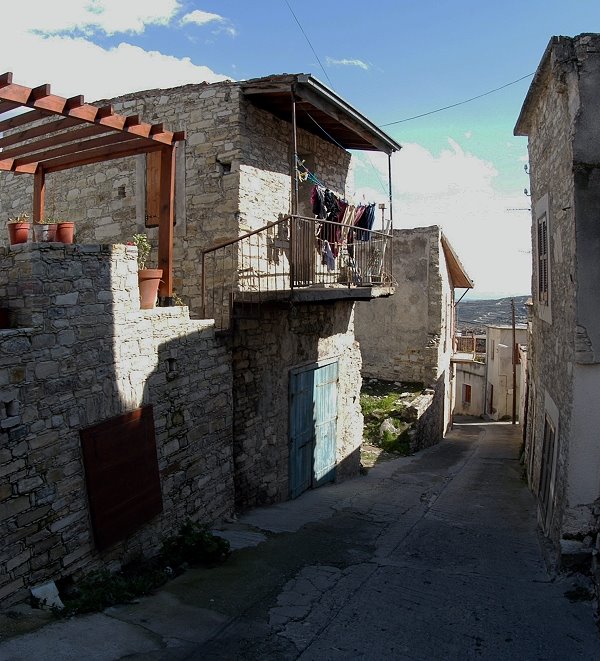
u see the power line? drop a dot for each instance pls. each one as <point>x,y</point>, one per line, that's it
<point>460,103</point>
<point>383,188</point>
<point>308,41</point>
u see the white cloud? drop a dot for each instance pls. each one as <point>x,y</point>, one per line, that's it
<point>74,64</point>
<point>348,63</point>
<point>456,191</point>
<point>201,17</point>
<point>87,16</point>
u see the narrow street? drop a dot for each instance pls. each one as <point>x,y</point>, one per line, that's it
<point>435,556</point>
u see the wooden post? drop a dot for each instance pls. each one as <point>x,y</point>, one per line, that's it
<point>166,218</point>
<point>39,194</point>
<point>514,365</point>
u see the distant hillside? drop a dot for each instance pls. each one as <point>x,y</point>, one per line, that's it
<point>475,315</point>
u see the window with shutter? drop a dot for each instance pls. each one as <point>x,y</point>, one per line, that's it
<point>543,259</point>
<point>541,264</point>
<point>466,393</point>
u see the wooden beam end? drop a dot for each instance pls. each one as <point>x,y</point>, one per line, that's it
<point>74,102</point>
<point>40,92</point>
<point>6,79</point>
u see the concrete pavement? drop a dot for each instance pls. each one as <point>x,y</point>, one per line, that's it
<point>434,556</point>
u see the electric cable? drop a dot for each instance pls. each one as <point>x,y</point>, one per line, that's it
<point>460,103</point>
<point>308,41</point>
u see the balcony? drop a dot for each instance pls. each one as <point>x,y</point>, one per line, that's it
<point>295,260</point>
<point>469,348</point>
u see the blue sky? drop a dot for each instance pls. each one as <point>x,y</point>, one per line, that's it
<point>392,59</point>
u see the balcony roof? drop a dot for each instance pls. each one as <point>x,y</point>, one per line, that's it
<point>459,276</point>
<point>319,110</point>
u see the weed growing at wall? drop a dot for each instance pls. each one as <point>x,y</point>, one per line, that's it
<point>194,545</point>
<point>385,406</point>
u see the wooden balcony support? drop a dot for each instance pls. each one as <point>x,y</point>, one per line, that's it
<point>39,194</point>
<point>166,223</point>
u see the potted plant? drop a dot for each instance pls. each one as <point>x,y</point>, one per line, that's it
<point>148,279</point>
<point>64,231</point>
<point>44,231</point>
<point>18,229</point>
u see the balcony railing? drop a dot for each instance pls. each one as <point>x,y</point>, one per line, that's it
<point>290,259</point>
<point>470,345</point>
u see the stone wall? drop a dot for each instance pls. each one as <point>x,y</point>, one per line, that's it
<point>409,336</point>
<point>265,349</point>
<point>552,351</point>
<point>233,175</point>
<point>83,352</point>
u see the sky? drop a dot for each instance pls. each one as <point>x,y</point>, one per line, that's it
<point>460,168</point>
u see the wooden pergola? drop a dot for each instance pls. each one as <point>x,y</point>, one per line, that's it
<point>57,133</point>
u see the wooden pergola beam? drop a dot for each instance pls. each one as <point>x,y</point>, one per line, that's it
<point>52,141</point>
<point>7,106</point>
<point>41,98</point>
<point>99,155</point>
<point>21,120</point>
<point>79,147</point>
<point>166,221</point>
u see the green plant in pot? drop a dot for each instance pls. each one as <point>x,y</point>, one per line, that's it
<point>148,279</point>
<point>18,229</point>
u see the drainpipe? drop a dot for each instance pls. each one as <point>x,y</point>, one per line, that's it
<point>294,178</point>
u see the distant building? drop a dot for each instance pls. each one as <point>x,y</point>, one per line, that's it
<point>560,118</point>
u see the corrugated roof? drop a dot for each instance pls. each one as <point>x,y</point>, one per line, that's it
<point>319,110</point>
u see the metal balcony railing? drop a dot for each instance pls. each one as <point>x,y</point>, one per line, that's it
<point>294,253</point>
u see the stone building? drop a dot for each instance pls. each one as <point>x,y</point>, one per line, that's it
<point>470,387</point>
<point>560,119</point>
<point>501,354</point>
<point>252,406</point>
<point>410,337</point>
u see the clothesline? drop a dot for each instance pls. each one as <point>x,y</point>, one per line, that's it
<point>304,174</point>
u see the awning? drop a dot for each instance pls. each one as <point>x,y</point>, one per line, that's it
<point>319,110</point>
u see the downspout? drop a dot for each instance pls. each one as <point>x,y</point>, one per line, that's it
<point>294,164</point>
<point>294,186</point>
<point>390,191</point>
<point>391,217</point>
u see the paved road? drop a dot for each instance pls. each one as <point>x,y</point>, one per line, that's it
<point>435,556</point>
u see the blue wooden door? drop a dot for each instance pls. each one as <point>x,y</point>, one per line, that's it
<point>313,421</point>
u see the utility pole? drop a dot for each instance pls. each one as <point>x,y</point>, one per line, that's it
<point>514,365</point>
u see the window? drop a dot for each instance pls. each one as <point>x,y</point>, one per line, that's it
<point>542,262</point>
<point>542,257</point>
<point>466,394</point>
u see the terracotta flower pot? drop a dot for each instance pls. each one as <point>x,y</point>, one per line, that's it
<point>64,232</point>
<point>18,232</point>
<point>148,281</point>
